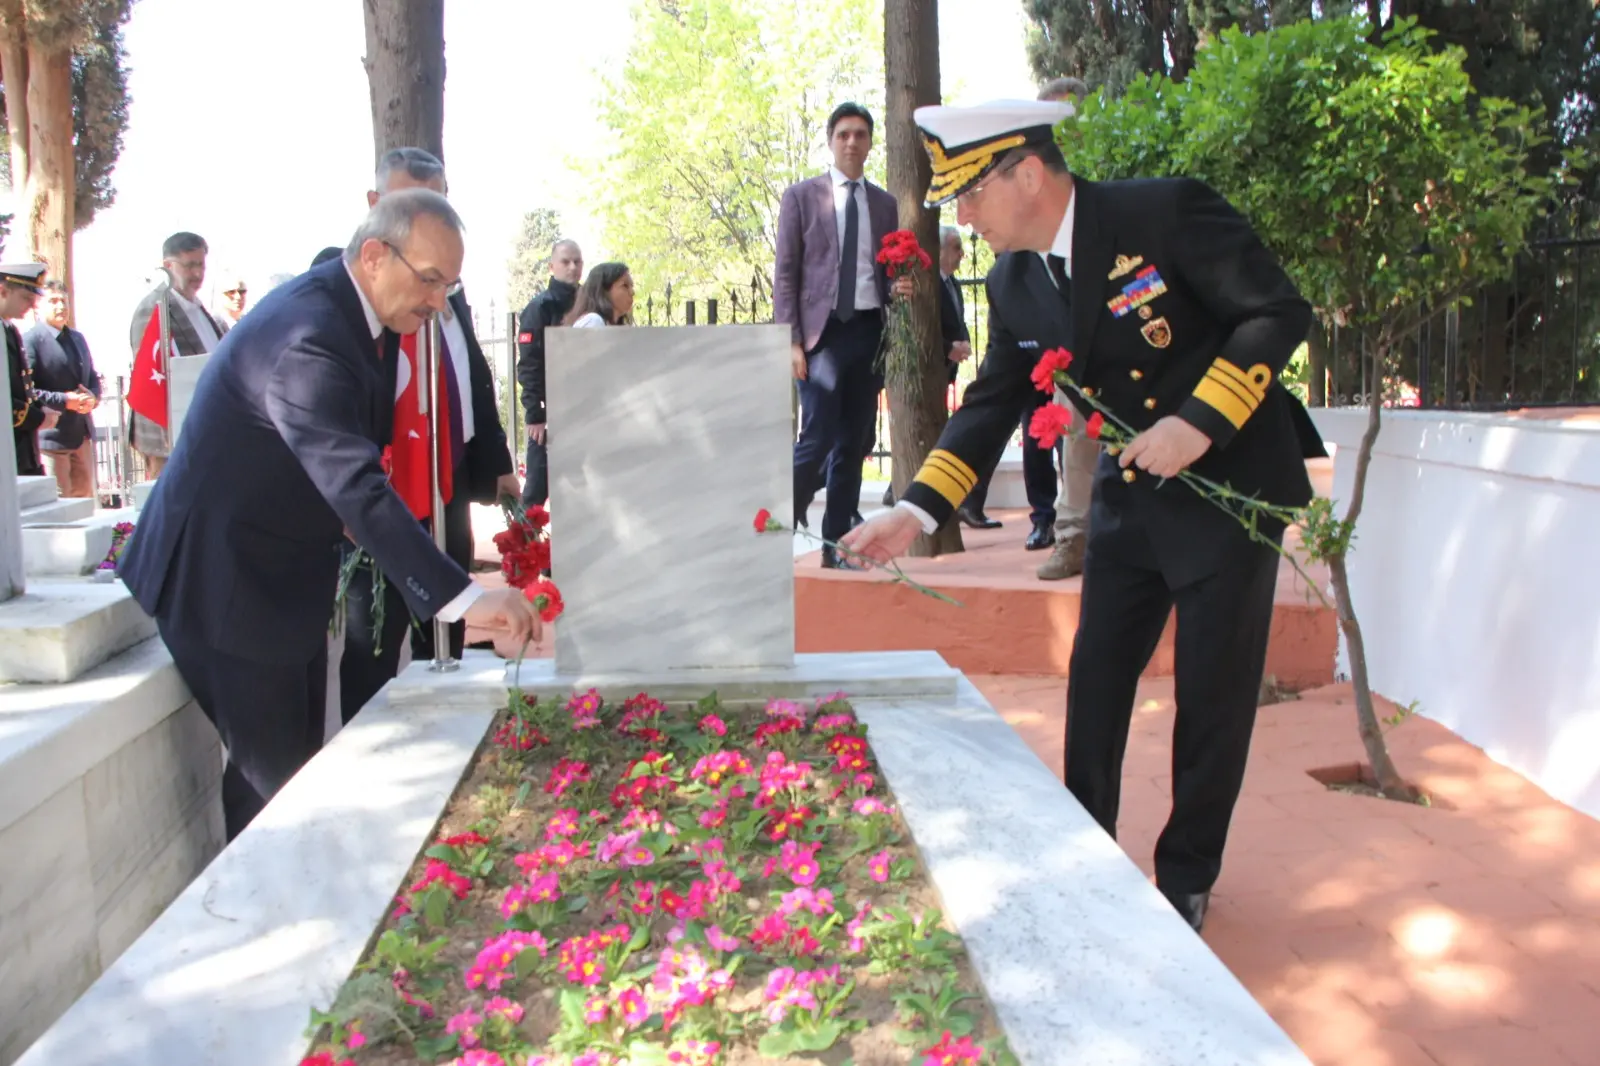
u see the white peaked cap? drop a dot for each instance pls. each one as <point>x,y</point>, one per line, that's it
<point>965,143</point>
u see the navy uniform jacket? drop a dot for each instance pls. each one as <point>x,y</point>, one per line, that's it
<point>239,541</point>
<point>57,372</point>
<point>1198,323</point>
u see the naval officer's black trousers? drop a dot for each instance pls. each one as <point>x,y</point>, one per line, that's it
<point>1223,622</point>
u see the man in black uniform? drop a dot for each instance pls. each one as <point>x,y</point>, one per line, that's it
<point>19,291</point>
<point>1179,321</point>
<point>544,310</point>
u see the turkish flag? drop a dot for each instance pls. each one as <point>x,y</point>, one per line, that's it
<point>408,455</point>
<point>147,392</point>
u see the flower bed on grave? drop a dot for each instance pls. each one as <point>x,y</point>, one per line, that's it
<point>643,884</point>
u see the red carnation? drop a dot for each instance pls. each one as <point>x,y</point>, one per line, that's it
<point>1051,363</point>
<point>765,523</point>
<point>1095,424</point>
<point>537,517</point>
<point>546,598</point>
<point>1049,423</point>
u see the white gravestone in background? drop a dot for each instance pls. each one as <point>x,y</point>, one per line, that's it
<point>183,375</point>
<point>664,443</point>
<point>11,582</point>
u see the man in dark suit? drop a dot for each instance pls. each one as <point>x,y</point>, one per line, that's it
<point>830,290</point>
<point>64,375</point>
<point>482,473</point>
<point>237,550</point>
<point>19,291</point>
<point>546,309</point>
<point>1180,321</point>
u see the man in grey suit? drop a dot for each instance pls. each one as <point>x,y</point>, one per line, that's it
<point>194,332</point>
<point>830,290</point>
<point>66,382</point>
<point>237,550</point>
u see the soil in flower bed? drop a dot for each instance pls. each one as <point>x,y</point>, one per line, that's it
<point>687,885</point>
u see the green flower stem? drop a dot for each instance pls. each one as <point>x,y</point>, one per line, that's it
<point>898,576</point>
<point>1244,509</point>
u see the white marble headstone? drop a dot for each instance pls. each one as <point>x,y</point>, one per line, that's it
<point>183,376</point>
<point>664,443</point>
<point>11,581</point>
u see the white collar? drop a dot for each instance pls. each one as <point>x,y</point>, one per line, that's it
<point>839,179</point>
<point>184,301</point>
<point>373,324</point>
<point>1062,245</point>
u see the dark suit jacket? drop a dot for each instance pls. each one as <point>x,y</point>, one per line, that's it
<point>1210,351</point>
<point>952,319</point>
<point>805,279</point>
<point>487,456</point>
<point>543,311</point>
<point>239,541</point>
<point>56,372</point>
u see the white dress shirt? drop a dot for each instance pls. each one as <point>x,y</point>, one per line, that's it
<point>204,327</point>
<point>1062,246</point>
<point>455,342</point>
<point>452,611</point>
<point>866,254</point>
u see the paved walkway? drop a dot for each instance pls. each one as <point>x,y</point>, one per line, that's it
<point>1377,933</point>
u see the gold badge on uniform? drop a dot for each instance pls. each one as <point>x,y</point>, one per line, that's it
<point>1157,332</point>
<point>1125,265</point>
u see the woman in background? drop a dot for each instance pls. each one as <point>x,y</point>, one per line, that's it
<point>606,298</point>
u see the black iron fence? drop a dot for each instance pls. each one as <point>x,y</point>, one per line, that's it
<point>1531,340</point>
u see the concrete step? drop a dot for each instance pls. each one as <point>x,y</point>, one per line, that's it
<point>58,511</point>
<point>70,549</point>
<point>141,493</point>
<point>60,628</point>
<point>35,491</point>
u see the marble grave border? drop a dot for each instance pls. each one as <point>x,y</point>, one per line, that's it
<point>1084,961</point>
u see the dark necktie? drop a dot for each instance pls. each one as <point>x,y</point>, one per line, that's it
<point>1058,271</point>
<point>847,255</point>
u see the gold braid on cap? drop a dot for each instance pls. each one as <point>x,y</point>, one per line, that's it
<point>952,173</point>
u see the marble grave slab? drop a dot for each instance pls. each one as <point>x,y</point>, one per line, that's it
<point>664,443</point>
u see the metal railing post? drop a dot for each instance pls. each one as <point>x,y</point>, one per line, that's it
<point>429,345</point>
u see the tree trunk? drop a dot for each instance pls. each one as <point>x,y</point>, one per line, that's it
<point>1385,775</point>
<point>405,74</point>
<point>917,411</point>
<point>51,185</point>
<point>1317,367</point>
<point>14,69</point>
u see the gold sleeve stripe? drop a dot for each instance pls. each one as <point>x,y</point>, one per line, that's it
<point>1232,392</point>
<point>948,476</point>
<point>953,466</point>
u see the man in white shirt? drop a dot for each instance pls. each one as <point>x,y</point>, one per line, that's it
<point>481,468</point>
<point>829,288</point>
<point>194,332</point>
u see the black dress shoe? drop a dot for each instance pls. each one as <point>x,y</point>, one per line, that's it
<point>976,519</point>
<point>1042,537</point>
<point>1191,906</point>
<point>832,560</point>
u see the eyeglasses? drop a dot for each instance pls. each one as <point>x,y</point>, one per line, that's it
<point>973,194</point>
<point>450,288</point>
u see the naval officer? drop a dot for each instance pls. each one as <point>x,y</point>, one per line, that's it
<point>1179,321</point>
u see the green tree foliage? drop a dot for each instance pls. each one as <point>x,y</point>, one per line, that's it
<point>99,102</point>
<point>1108,43</point>
<point>528,266</point>
<point>720,105</point>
